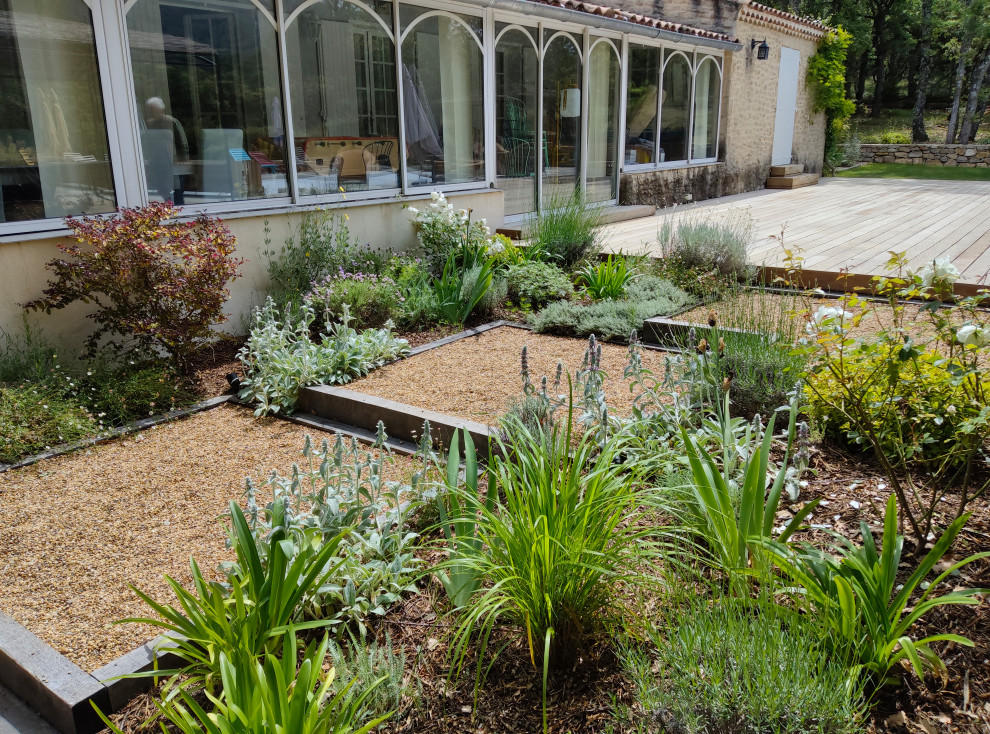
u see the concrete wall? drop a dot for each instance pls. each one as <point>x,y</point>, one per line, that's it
<point>964,156</point>
<point>387,225</point>
<point>749,103</point>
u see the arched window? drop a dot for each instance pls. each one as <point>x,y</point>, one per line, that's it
<point>561,117</point>
<point>707,93</point>
<point>516,114</point>
<point>53,134</point>
<point>603,121</point>
<point>206,79</point>
<point>443,102</point>
<point>345,121</point>
<point>675,109</point>
<point>642,102</point>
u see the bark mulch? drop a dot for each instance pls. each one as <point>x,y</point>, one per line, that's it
<point>478,377</point>
<point>80,528</point>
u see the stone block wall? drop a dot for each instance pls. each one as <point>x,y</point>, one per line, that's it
<point>963,156</point>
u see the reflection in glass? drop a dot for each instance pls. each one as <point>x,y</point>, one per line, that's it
<point>516,109</point>
<point>443,103</point>
<point>641,104</point>
<point>561,118</point>
<point>206,76</point>
<point>706,97</point>
<point>344,103</point>
<point>603,122</point>
<point>54,159</point>
<point>675,108</point>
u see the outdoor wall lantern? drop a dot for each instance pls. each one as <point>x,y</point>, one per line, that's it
<point>763,52</point>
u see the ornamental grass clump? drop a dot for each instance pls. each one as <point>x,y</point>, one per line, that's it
<point>155,282</point>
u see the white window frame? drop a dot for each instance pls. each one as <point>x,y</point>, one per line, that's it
<point>699,60</point>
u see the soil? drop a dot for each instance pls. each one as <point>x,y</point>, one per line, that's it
<point>81,528</point>
<point>478,377</point>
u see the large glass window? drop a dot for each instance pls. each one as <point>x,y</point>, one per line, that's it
<point>675,108</point>
<point>443,101</point>
<point>206,76</point>
<point>54,159</point>
<point>707,92</point>
<point>641,104</point>
<point>603,121</point>
<point>561,118</point>
<point>516,110</point>
<point>344,104</point>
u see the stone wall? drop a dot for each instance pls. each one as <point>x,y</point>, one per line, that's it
<point>713,15</point>
<point>964,156</point>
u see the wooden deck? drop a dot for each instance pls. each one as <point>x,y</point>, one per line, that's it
<point>849,225</point>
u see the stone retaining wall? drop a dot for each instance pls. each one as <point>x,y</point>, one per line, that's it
<point>964,156</point>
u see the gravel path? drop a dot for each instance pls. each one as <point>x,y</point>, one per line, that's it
<point>478,377</point>
<point>78,529</point>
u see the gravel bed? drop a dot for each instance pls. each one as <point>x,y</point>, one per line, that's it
<point>80,528</point>
<point>478,377</point>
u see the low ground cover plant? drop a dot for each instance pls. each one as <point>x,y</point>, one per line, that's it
<point>533,284</point>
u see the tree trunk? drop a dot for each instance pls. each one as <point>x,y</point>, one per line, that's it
<point>918,132</point>
<point>950,136</point>
<point>861,77</point>
<point>880,65</point>
<point>972,100</point>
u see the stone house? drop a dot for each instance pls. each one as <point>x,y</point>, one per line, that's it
<point>258,110</point>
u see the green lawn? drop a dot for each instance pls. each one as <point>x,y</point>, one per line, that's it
<point>894,126</point>
<point>911,170</point>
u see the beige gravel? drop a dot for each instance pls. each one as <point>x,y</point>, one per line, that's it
<point>478,377</point>
<point>77,529</point>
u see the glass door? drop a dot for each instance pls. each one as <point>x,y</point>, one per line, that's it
<point>561,119</point>
<point>516,109</point>
<point>603,122</point>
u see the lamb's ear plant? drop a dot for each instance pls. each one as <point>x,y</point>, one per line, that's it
<point>870,616</point>
<point>735,538</point>
<point>251,616</point>
<point>459,576</point>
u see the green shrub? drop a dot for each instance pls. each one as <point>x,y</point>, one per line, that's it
<point>320,247</point>
<point>741,668</point>
<point>156,282</point>
<point>567,230</point>
<point>280,356</point>
<point>606,280</point>
<point>534,283</point>
<point>371,299</point>
<point>894,137</point>
<point>418,304</point>
<point>34,417</point>
<point>709,243</point>
<point>609,319</point>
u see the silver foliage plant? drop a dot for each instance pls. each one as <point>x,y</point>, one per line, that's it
<point>340,487</point>
<point>280,356</point>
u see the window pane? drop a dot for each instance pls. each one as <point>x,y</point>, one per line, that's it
<point>344,103</point>
<point>675,109</point>
<point>516,109</point>
<point>206,75</point>
<point>443,103</point>
<point>603,122</point>
<point>54,159</point>
<point>641,104</point>
<point>706,96</point>
<point>561,119</point>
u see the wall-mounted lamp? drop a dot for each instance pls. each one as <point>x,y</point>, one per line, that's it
<point>763,52</point>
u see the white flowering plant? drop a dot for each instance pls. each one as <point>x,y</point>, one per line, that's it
<point>442,229</point>
<point>915,391</point>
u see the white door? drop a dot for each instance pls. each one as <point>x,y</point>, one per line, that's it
<point>783,124</point>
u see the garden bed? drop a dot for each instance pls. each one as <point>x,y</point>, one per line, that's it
<point>477,378</point>
<point>81,528</point>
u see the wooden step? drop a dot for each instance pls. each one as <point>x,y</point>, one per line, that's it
<point>788,170</point>
<point>795,181</point>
